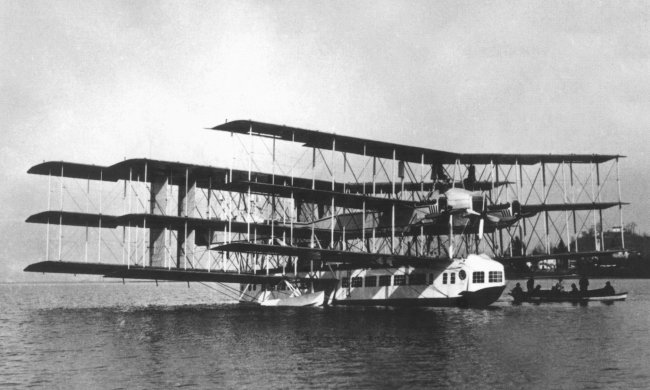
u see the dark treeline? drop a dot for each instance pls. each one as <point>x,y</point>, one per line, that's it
<point>634,262</point>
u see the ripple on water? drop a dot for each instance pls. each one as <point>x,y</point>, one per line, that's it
<point>170,336</point>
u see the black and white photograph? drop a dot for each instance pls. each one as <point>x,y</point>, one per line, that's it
<point>325,194</point>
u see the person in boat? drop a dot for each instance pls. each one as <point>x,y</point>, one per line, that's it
<point>559,286</point>
<point>584,284</point>
<point>608,289</point>
<point>574,289</point>
<point>517,291</point>
<point>537,290</point>
<point>530,284</point>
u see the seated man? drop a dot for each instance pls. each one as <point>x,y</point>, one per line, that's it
<point>517,291</point>
<point>608,290</point>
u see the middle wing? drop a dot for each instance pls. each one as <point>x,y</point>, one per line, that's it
<point>536,208</point>
<point>336,256</point>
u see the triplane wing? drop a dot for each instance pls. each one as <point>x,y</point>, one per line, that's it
<point>356,259</point>
<point>154,273</point>
<point>377,227</point>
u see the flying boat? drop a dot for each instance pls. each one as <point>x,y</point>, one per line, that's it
<point>373,223</point>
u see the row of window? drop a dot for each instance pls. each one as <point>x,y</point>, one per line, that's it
<point>397,280</point>
<point>268,287</point>
<point>385,280</point>
<point>493,277</point>
<point>418,279</point>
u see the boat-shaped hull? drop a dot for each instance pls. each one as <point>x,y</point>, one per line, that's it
<point>480,298</point>
<point>309,299</point>
<point>476,281</point>
<point>568,297</point>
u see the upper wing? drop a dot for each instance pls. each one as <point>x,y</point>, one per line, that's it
<point>366,147</point>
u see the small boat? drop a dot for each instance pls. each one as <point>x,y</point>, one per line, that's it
<point>555,296</point>
<point>308,299</point>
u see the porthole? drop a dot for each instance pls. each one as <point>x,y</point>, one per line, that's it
<point>462,275</point>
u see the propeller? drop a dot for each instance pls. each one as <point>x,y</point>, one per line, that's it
<point>481,222</point>
<point>482,216</point>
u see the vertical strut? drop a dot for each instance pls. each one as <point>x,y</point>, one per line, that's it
<point>420,248</point>
<point>187,182</point>
<point>49,200</point>
<point>392,217</point>
<point>374,173</point>
<point>61,212</point>
<point>363,210</point>
<point>128,241</point>
<point>272,196</point>
<point>293,202</point>
<point>573,195</point>
<point>600,211</point>
<point>593,199</point>
<point>87,201</point>
<point>332,207</point>
<point>566,212</point>
<point>545,194</point>
<point>250,166</point>
<point>313,186</point>
<point>99,232</point>
<point>518,189</point>
<point>620,205</point>
<point>209,228</point>
<point>144,217</point>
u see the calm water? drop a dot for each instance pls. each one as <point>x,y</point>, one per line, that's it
<point>142,336</point>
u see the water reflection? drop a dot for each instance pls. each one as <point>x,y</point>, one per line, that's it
<point>90,338</point>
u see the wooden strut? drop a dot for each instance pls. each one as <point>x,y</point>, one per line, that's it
<point>400,243</point>
<point>620,205</point>
<point>99,232</point>
<point>49,207</point>
<point>61,214</point>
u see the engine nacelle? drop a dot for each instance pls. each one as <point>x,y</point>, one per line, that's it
<point>458,199</point>
<point>515,208</point>
<point>442,204</point>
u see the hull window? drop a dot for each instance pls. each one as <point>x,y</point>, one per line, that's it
<point>345,282</point>
<point>431,278</point>
<point>400,280</point>
<point>384,280</point>
<point>357,282</point>
<point>444,278</point>
<point>452,278</point>
<point>371,281</point>
<point>495,277</point>
<point>478,277</point>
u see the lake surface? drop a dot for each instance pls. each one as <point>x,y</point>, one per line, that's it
<point>139,335</point>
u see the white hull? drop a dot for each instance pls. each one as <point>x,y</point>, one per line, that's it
<point>475,281</point>
<point>308,299</point>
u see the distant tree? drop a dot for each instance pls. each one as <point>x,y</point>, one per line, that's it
<point>539,250</point>
<point>631,227</point>
<point>560,248</point>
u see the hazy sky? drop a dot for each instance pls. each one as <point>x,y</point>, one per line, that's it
<point>95,82</point>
